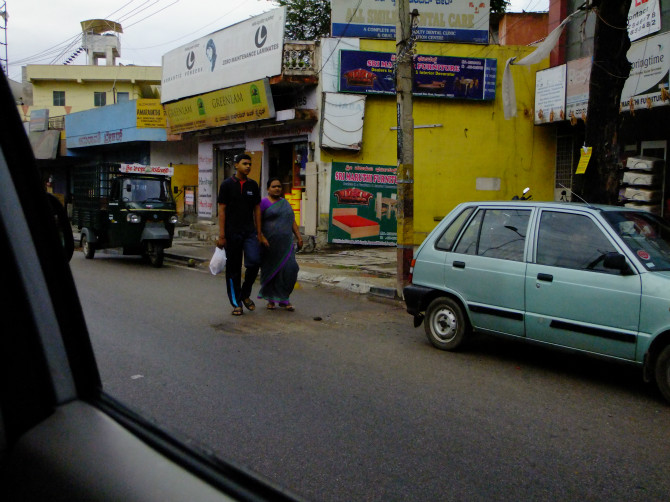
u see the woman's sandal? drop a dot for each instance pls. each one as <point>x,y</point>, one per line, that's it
<point>249,304</point>
<point>289,307</point>
<point>238,311</point>
<point>271,306</point>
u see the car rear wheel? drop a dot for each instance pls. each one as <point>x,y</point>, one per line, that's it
<point>87,247</point>
<point>662,372</point>
<point>446,326</point>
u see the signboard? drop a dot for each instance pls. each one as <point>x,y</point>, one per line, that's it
<point>550,95</point>
<point>142,169</point>
<point>241,103</point>
<point>246,51</point>
<point>439,20</point>
<point>150,114</point>
<point>647,84</point>
<point>577,89</point>
<point>363,204</point>
<point>39,120</point>
<point>644,18</point>
<point>365,72</point>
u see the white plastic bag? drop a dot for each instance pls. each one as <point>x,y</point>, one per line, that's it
<point>218,262</point>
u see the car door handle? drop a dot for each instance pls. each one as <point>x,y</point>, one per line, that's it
<point>459,264</point>
<point>545,277</point>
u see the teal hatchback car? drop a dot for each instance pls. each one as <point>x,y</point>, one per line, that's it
<point>595,279</point>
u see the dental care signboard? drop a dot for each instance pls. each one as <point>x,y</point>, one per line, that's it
<point>647,84</point>
<point>439,20</point>
<point>247,51</point>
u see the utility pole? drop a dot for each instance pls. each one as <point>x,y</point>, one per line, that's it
<point>405,174</point>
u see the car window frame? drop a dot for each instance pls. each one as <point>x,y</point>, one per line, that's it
<point>594,218</point>
<point>464,224</point>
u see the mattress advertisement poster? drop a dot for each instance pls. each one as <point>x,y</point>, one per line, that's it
<point>368,72</point>
<point>363,204</point>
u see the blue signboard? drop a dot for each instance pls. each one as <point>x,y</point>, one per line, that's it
<point>366,72</point>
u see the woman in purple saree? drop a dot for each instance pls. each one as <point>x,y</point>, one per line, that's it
<point>279,268</point>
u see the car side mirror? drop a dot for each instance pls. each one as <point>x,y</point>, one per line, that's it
<point>617,261</point>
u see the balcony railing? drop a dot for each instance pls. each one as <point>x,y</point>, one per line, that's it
<point>300,59</point>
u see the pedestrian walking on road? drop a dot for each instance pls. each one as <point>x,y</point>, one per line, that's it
<point>240,233</point>
<point>279,268</point>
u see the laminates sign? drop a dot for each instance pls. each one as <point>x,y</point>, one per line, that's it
<point>365,72</point>
<point>363,204</point>
<point>241,53</point>
<point>241,103</point>
<point>439,20</point>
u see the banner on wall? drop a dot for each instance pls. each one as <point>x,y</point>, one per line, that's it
<point>439,21</point>
<point>363,204</point>
<point>550,87</point>
<point>241,103</point>
<point>150,114</point>
<point>367,72</point>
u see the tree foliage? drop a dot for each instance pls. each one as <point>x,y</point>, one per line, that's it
<point>499,6</point>
<point>306,19</point>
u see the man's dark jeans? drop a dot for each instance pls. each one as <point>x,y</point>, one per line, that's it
<point>239,245</point>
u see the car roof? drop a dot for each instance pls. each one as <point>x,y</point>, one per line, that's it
<point>551,205</point>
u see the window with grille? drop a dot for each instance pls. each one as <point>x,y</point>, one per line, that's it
<point>564,162</point>
<point>99,98</point>
<point>59,98</point>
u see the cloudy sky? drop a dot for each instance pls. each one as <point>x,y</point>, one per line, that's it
<point>48,32</point>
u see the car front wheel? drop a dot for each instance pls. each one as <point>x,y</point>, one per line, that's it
<point>662,372</point>
<point>446,326</point>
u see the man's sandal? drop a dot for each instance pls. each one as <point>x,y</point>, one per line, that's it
<point>238,311</point>
<point>249,304</point>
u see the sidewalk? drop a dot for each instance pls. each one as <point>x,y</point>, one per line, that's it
<point>359,270</point>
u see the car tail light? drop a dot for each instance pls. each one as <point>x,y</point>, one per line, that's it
<point>411,270</point>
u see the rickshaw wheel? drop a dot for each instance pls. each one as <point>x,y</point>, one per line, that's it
<point>155,254</point>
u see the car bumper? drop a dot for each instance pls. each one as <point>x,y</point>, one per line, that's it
<point>416,300</point>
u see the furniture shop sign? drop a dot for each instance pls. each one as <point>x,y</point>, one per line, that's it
<point>367,72</point>
<point>647,86</point>
<point>249,50</point>
<point>439,20</point>
<point>363,204</point>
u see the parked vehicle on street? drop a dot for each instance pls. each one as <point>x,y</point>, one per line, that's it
<point>128,206</point>
<point>594,279</point>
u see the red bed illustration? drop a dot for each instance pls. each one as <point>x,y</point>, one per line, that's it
<point>356,226</point>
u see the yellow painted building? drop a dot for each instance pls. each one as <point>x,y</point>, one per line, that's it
<point>469,151</point>
<point>64,89</point>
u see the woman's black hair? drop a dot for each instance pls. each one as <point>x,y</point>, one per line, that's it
<point>274,178</point>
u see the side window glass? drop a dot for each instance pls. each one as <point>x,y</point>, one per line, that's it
<point>468,241</point>
<point>446,241</point>
<point>572,241</point>
<point>503,234</point>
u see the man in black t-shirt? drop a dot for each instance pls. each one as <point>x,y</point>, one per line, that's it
<point>240,232</point>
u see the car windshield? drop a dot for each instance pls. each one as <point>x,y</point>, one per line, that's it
<point>647,235</point>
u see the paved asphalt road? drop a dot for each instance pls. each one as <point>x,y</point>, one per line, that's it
<point>358,406</point>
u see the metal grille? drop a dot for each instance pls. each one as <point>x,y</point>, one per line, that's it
<point>564,161</point>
